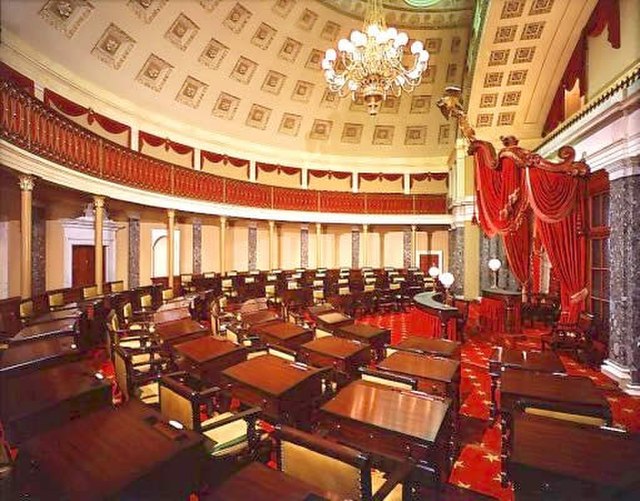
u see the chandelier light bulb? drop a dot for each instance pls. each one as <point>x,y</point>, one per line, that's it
<point>373,30</point>
<point>393,33</point>
<point>345,45</point>
<point>434,271</point>
<point>326,64</point>
<point>416,47</point>
<point>423,57</point>
<point>330,55</point>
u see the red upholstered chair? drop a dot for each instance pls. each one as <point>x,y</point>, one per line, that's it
<point>576,338</point>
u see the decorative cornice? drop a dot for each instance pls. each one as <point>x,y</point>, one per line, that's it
<point>28,163</point>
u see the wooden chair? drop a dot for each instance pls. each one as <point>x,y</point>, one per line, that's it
<point>137,372</point>
<point>334,468</point>
<point>167,295</point>
<point>183,398</point>
<point>134,336</point>
<point>388,379</point>
<point>26,310</point>
<point>576,338</point>
<point>117,286</point>
<point>55,300</point>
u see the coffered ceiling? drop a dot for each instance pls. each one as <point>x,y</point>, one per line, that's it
<point>248,69</point>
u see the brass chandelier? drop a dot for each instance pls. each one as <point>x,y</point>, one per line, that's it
<point>369,64</point>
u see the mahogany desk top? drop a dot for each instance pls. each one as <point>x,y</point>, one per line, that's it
<point>46,329</point>
<point>422,366</point>
<point>284,333</point>
<point>34,354</point>
<point>538,361</point>
<point>550,451</point>
<point>257,481</point>
<point>432,346</point>
<point>270,374</point>
<point>171,332</point>
<point>335,347</point>
<point>206,348</point>
<point>364,331</point>
<point>407,413</point>
<point>113,451</point>
<point>70,313</point>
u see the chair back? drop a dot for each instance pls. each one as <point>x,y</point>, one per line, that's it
<point>127,311</point>
<point>26,309</point>
<point>89,292</point>
<point>388,379</point>
<point>209,274</point>
<point>318,295</point>
<point>117,286</point>
<point>343,291</point>
<point>56,299</point>
<point>167,295</point>
<point>121,366</point>
<point>177,400</point>
<point>146,301</point>
<point>328,466</point>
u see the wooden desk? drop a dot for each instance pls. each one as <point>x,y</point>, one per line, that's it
<point>286,393</point>
<point>553,459</point>
<point>71,313</point>
<point>430,346</point>
<point>46,329</point>
<point>36,402</point>
<point>321,309</point>
<point>344,356</point>
<point>207,356</point>
<point>333,321</point>
<point>511,301</point>
<point>392,424</point>
<point>570,394</point>
<point>376,337</point>
<point>259,317</point>
<point>33,355</point>
<point>257,481</point>
<point>511,358</point>
<point>179,331</point>
<point>126,453</point>
<point>442,317</point>
<point>283,333</point>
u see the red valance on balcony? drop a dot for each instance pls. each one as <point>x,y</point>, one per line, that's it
<point>225,159</point>
<point>428,176</point>
<point>379,176</point>
<point>8,73</point>
<point>329,174</point>
<point>280,169</point>
<point>156,141</point>
<point>75,110</point>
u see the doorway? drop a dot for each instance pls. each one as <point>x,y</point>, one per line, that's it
<point>83,270</point>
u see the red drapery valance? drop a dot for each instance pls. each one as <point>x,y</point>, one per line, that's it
<point>225,159</point>
<point>23,82</point>
<point>289,171</point>
<point>157,141</point>
<point>75,110</point>
<point>379,177</point>
<point>329,173</point>
<point>605,14</point>
<point>428,176</point>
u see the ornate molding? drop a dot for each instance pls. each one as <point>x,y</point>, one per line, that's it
<point>26,183</point>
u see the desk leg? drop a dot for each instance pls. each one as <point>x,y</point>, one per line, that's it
<point>494,372</point>
<point>505,421</point>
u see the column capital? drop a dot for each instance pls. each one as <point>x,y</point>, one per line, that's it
<point>272,224</point>
<point>223,220</point>
<point>414,227</point>
<point>318,227</point>
<point>171,213</point>
<point>98,201</point>
<point>26,182</point>
<point>365,227</point>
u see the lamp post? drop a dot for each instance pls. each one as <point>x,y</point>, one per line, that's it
<point>446,279</point>
<point>433,272</point>
<point>494,266</point>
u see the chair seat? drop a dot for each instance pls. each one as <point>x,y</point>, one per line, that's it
<point>225,436</point>
<point>149,393</point>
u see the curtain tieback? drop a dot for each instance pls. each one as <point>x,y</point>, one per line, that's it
<point>581,295</point>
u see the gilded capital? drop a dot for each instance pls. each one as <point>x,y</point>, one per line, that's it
<point>26,183</point>
<point>98,202</point>
<point>414,228</point>
<point>223,221</point>
<point>171,213</point>
<point>272,224</point>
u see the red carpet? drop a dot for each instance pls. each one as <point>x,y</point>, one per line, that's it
<point>478,466</point>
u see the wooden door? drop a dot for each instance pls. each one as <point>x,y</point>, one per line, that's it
<point>84,265</point>
<point>429,260</point>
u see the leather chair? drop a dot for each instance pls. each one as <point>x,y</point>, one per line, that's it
<point>137,372</point>
<point>135,335</point>
<point>344,472</point>
<point>388,379</point>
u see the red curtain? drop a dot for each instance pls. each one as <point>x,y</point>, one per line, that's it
<point>325,173</point>
<point>8,73</point>
<point>226,159</point>
<point>428,176</point>
<point>432,326</point>
<point>289,171</point>
<point>381,177</point>
<point>156,141</point>
<point>75,110</point>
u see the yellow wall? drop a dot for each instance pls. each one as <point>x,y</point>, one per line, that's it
<point>427,186</point>
<point>262,245</point>
<point>380,186</point>
<point>10,213</point>
<point>210,246</point>
<point>186,247</point>
<point>237,247</point>
<point>439,242</point>
<point>220,169</point>
<point>333,184</point>
<point>275,179</point>
<point>289,246</point>
<point>604,63</point>
<point>54,254</point>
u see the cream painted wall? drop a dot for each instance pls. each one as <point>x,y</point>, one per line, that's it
<point>344,248</point>
<point>604,63</point>
<point>14,253</point>
<point>54,254</point>
<point>374,248</point>
<point>220,169</point>
<point>262,246</point>
<point>313,255</point>
<point>290,246</point>
<point>237,247</point>
<point>146,250</point>
<point>427,186</point>
<point>167,155</point>
<point>210,247</point>
<point>392,248</point>
<point>333,184</point>
<point>186,247</point>
<point>439,242</point>
<point>10,215</point>
<point>122,253</point>
<point>275,179</point>
<point>380,186</point>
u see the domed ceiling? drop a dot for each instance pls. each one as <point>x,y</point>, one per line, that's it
<point>245,70</point>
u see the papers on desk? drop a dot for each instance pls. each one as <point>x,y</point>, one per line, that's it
<point>299,366</point>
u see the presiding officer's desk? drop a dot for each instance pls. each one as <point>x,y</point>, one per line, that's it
<point>445,315</point>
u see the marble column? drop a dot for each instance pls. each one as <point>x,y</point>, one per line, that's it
<point>26,198</point>
<point>223,243</point>
<point>456,258</point>
<point>318,245</point>
<point>623,363</point>
<point>171,225</point>
<point>355,247</point>
<point>406,248</point>
<point>197,246</point>
<point>304,246</point>
<point>39,251</point>
<point>134,251</point>
<point>273,246</point>
<point>252,245</point>
<point>490,248</point>
<point>98,221</point>
<point>414,244</point>
<point>365,246</point>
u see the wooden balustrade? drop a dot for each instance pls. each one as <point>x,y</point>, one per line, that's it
<point>29,124</point>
